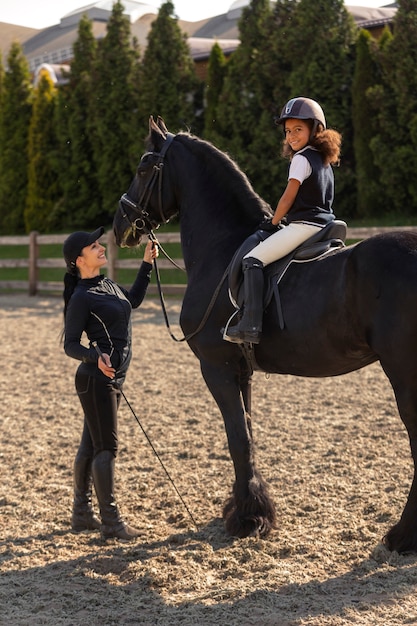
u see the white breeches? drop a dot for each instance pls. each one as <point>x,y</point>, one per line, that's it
<point>282,242</point>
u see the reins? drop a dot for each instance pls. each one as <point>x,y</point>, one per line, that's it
<point>214,297</point>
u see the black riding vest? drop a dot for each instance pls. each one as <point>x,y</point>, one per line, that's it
<point>313,203</point>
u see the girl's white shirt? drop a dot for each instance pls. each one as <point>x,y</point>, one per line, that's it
<point>300,168</point>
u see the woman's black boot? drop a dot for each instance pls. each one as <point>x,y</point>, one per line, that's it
<point>103,476</point>
<point>83,516</point>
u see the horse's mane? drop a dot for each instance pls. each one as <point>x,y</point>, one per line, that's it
<point>228,174</point>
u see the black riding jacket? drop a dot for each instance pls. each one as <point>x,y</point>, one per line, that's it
<point>102,309</point>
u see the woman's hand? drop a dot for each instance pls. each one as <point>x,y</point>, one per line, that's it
<point>104,364</point>
<point>151,251</point>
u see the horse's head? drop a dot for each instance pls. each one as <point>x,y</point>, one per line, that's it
<point>193,177</point>
<point>144,207</point>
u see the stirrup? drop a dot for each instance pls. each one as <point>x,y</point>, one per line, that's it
<point>235,335</point>
<point>252,336</point>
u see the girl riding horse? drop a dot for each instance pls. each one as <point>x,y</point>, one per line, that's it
<point>306,204</point>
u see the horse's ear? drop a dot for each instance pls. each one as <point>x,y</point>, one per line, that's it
<point>156,135</point>
<point>152,125</point>
<point>161,125</point>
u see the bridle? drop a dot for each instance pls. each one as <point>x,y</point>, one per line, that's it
<point>146,225</point>
<point>143,222</point>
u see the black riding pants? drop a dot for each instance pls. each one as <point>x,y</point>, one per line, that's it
<point>100,401</point>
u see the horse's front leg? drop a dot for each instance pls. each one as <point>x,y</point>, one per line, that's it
<point>250,509</point>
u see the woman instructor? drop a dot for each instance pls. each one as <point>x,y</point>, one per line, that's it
<point>98,307</point>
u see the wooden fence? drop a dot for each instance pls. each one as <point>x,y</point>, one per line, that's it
<point>33,285</point>
<point>34,240</point>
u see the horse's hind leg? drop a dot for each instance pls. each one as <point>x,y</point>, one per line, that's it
<point>402,537</point>
<point>250,509</point>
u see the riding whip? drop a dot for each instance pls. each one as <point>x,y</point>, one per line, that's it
<point>100,354</point>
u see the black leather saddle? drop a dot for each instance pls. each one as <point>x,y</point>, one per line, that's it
<point>331,237</point>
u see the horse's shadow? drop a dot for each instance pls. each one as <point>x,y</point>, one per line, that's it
<point>56,586</point>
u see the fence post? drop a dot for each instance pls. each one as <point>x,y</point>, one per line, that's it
<point>111,255</point>
<point>33,263</point>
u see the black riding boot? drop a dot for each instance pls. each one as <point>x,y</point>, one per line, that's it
<point>103,476</point>
<point>249,328</point>
<point>83,516</point>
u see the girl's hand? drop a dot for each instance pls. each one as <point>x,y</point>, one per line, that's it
<point>104,364</point>
<point>151,252</point>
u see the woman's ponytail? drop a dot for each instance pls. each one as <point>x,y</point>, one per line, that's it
<point>71,279</point>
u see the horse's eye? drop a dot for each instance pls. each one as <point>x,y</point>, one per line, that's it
<point>144,165</point>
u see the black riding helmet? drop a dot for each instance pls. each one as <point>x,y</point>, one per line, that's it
<point>303,109</point>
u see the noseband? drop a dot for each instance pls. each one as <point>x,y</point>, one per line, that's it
<point>143,222</point>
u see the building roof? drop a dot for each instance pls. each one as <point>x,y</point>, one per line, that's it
<point>53,45</point>
<point>226,25</point>
<point>10,33</point>
<point>102,10</point>
<point>200,47</point>
<point>372,18</point>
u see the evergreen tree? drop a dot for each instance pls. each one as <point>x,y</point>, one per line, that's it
<point>1,83</point>
<point>114,112</point>
<point>81,207</point>
<point>404,63</point>
<point>274,74</point>
<point>168,83</point>
<point>61,160</point>
<point>42,180</point>
<point>215,78</point>
<point>15,119</point>
<point>394,100</point>
<point>382,102</point>
<point>322,43</point>
<point>255,88</point>
<point>1,108</point>
<point>279,57</point>
<point>246,98</point>
<point>240,103</point>
<point>364,127</point>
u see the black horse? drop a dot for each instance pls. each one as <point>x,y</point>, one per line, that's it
<point>342,312</point>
